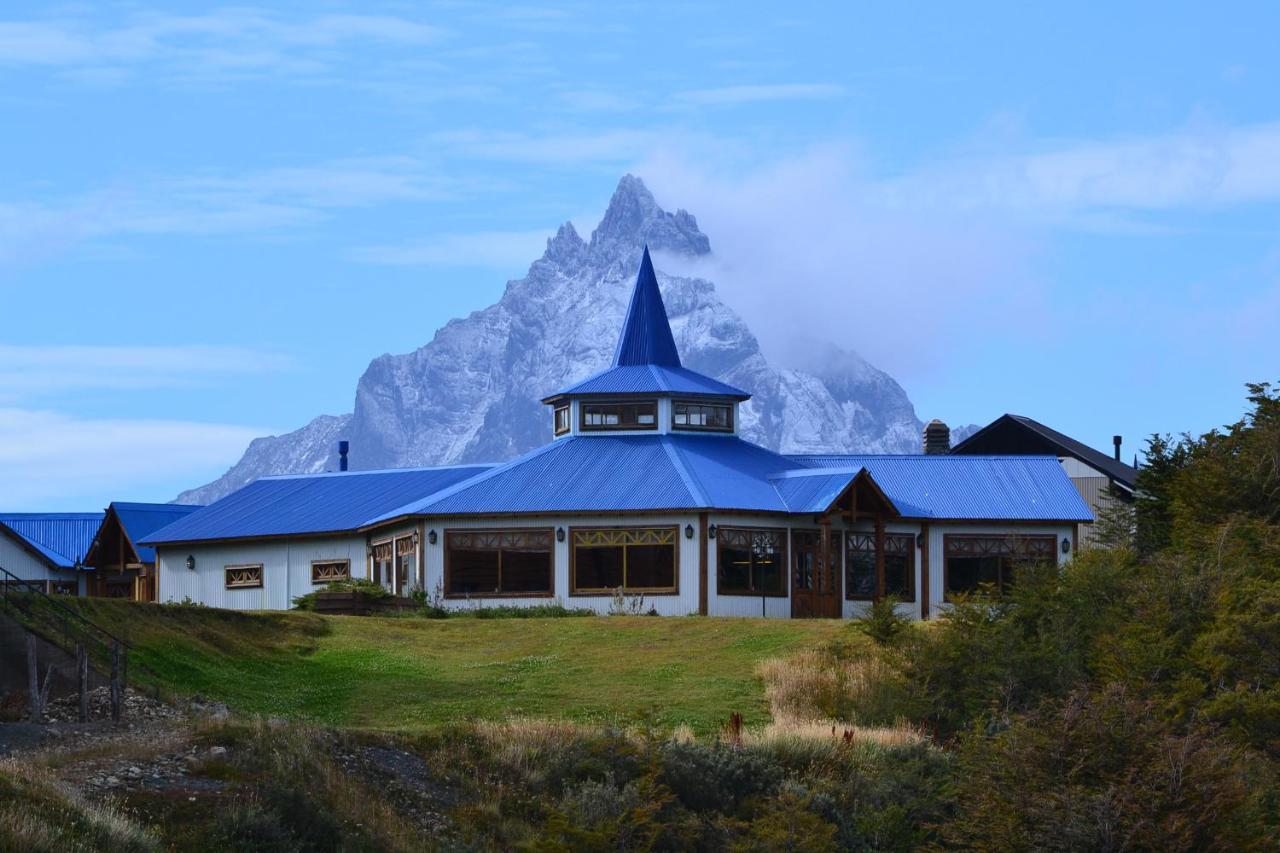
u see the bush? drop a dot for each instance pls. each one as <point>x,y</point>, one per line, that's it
<point>370,590</point>
<point>717,777</point>
<point>882,622</point>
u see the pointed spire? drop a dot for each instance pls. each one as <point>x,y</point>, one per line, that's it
<point>646,334</point>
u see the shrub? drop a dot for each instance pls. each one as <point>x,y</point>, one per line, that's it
<point>370,590</point>
<point>717,777</point>
<point>882,622</point>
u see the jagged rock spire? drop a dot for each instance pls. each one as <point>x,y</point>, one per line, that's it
<point>646,334</point>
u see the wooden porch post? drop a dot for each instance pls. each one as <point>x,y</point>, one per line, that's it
<point>823,582</point>
<point>879,556</point>
<point>704,569</point>
<point>924,570</point>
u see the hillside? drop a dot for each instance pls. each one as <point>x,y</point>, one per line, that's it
<point>410,675</point>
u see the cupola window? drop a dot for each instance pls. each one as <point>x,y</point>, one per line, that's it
<point>562,420</point>
<point>606,416</point>
<point>704,416</point>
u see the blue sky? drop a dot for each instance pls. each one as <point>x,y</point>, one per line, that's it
<point>212,218</point>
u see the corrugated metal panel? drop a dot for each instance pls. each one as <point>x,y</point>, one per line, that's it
<point>1023,488</point>
<point>812,492</point>
<point>653,379</point>
<point>60,537</point>
<point>311,503</point>
<point>140,520</point>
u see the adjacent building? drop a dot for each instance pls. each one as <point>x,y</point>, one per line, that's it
<point>1099,478</point>
<point>45,551</point>
<point>122,567</point>
<point>645,491</point>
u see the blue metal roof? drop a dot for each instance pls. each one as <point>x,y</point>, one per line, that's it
<point>309,503</point>
<point>140,520</point>
<point>646,333</point>
<point>646,360</point>
<point>1004,488</point>
<point>61,538</point>
<point>651,379</point>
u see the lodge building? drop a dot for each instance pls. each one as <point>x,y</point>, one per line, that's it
<point>646,488</point>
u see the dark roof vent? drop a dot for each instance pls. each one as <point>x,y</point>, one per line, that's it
<point>937,437</point>
<point>343,447</point>
<point>1115,439</point>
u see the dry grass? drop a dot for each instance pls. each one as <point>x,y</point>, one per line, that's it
<point>830,732</point>
<point>39,813</point>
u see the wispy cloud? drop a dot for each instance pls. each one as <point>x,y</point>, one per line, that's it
<point>30,371</point>
<point>231,41</point>
<point>768,92</point>
<point>48,457</point>
<point>503,250</point>
<point>1189,168</point>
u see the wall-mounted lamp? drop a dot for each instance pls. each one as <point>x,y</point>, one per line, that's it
<point>688,531</point>
<point>191,563</point>
<point>919,540</point>
<point>432,537</point>
<point>415,539</point>
<point>559,534</point>
<point>1066,545</point>
<point>711,532</point>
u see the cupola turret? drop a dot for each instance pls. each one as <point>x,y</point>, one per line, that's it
<point>646,389</point>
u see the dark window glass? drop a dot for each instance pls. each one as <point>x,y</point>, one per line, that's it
<point>651,567</point>
<point>642,415</point>
<point>710,416</point>
<point>598,568</point>
<point>750,561</point>
<point>498,562</point>
<point>899,566</point>
<point>526,571</point>
<point>473,572</point>
<point>974,561</point>
<point>633,558</point>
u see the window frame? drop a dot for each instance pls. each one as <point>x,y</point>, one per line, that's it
<point>567,411</point>
<point>373,560</point>
<point>241,567</point>
<point>908,539</point>
<point>584,405</point>
<point>1009,539</point>
<point>576,591</point>
<point>315,564</point>
<point>728,407</point>
<point>784,568</point>
<point>499,531</point>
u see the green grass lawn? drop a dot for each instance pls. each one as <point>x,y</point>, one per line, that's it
<point>413,674</point>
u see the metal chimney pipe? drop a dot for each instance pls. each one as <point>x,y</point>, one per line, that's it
<point>1115,439</point>
<point>343,447</point>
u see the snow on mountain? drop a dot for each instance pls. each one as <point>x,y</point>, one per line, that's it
<point>472,393</point>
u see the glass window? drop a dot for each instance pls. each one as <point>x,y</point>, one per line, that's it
<point>710,416</point>
<point>635,559</point>
<point>380,564</point>
<point>498,562</point>
<point>750,561</point>
<point>328,571</point>
<point>973,562</point>
<point>598,416</point>
<point>406,564</point>
<point>562,420</point>
<point>244,577</point>
<point>899,566</point>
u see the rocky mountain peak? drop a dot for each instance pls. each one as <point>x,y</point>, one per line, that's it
<point>472,393</point>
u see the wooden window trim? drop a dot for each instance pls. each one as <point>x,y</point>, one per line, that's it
<point>575,592</point>
<point>1051,540</point>
<point>463,596</point>
<point>568,419</point>
<point>785,568</point>
<point>316,564</point>
<point>583,426</point>
<point>373,554</point>
<point>696,428</point>
<point>242,583</point>
<point>910,551</point>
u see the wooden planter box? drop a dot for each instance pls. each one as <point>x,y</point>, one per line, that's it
<point>358,604</point>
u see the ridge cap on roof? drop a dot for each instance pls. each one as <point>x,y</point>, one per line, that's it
<point>415,469</point>
<point>690,479</point>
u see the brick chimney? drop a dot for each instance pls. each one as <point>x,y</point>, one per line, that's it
<point>937,437</point>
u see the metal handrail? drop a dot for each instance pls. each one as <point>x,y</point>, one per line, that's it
<point>9,577</point>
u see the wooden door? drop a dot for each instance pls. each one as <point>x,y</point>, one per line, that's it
<point>815,577</point>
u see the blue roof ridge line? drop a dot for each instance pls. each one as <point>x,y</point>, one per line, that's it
<point>691,482</point>
<point>303,476</point>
